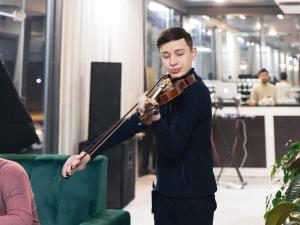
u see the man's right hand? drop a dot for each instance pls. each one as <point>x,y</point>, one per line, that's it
<point>74,164</point>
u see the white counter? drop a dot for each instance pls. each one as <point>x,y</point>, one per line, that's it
<point>268,113</point>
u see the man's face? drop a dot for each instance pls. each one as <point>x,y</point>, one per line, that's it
<point>177,57</point>
<point>264,77</point>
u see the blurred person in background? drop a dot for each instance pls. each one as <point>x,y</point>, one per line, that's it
<point>283,91</point>
<point>263,93</point>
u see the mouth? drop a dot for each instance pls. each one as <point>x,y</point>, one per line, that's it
<point>175,71</point>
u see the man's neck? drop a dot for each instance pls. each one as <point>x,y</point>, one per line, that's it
<point>264,84</point>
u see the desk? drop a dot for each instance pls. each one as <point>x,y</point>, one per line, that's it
<point>277,124</point>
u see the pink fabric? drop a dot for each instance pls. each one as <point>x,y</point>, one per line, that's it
<point>17,205</point>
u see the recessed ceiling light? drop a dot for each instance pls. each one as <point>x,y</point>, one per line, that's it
<point>280,16</point>
<point>242,17</point>
<point>205,17</point>
<point>38,80</point>
<point>272,32</point>
<point>258,26</point>
<point>219,1</point>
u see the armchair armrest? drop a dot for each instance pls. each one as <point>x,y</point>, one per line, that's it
<point>109,217</point>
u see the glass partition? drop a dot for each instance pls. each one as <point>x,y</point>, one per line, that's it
<point>158,17</point>
<point>233,45</point>
<point>22,48</point>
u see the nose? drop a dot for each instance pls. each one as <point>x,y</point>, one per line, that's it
<point>173,60</point>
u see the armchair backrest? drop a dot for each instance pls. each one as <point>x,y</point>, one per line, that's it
<point>64,202</point>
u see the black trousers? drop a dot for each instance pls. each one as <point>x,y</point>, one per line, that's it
<point>184,211</point>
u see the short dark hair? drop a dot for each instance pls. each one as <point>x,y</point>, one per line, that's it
<point>174,34</point>
<point>283,76</point>
<point>262,71</point>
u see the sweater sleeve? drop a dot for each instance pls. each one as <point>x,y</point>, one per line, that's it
<point>128,129</point>
<point>173,138</point>
<point>17,196</point>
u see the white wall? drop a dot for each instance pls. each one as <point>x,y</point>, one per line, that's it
<point>97,30</point>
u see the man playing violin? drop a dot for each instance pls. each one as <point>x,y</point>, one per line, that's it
<point>184,192</point>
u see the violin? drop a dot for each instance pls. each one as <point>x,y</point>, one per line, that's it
<point>163,91</point>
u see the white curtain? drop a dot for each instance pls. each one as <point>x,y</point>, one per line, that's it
<point>97,30</point>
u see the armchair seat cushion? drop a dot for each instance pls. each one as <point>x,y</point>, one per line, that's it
<point>80,199</point>
<point>109,217</point>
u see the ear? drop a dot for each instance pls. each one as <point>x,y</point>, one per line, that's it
<point>194,53</point>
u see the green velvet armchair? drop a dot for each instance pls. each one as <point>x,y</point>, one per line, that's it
<point>78,200</point>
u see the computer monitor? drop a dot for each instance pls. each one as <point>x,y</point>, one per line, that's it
<point>226,90</point>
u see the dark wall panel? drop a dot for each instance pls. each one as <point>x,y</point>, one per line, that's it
<point>286,128</point>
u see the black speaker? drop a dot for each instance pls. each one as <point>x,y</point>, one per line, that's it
<point>121,175</point>
<point>105,97</point>
<point>105,101</point>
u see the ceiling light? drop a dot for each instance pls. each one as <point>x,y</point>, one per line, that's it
<point>219,1</point>
<point>272,32</point>
<point>252,44</point>
<point>243,66</point>
<point>258,26</point>
<point>38,80</point>
<point>242,17</point>
<point>248,43</point>
<point>282,66</point>
<point>205,17</point>
<point>209,33</point>
<point>280,16</point>
<point>240,39</point>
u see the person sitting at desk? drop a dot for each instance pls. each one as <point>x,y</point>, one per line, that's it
<point>263,93</point>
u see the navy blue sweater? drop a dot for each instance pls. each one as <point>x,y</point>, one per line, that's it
<point>184,166</point>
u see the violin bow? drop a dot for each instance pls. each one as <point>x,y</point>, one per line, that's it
<point>110,131</point>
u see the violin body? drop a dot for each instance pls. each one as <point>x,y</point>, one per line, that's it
<point>166,94</point>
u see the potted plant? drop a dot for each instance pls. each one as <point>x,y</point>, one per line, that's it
<point>283,207</point>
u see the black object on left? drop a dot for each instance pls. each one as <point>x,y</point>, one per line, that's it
<point>17,131</point>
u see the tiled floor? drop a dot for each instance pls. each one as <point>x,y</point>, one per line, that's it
<point>235,206</point>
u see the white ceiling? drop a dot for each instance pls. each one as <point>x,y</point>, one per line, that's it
<point>229,3</point>
<point>289,6</point>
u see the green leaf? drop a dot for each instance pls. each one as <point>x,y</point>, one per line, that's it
<point>285,178</point>
<point>278,194</point>
<point>295,216</point>
<point>293,192</point>
<point>293,223</point>
<point>280,213</point>
<point>297,201</point>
